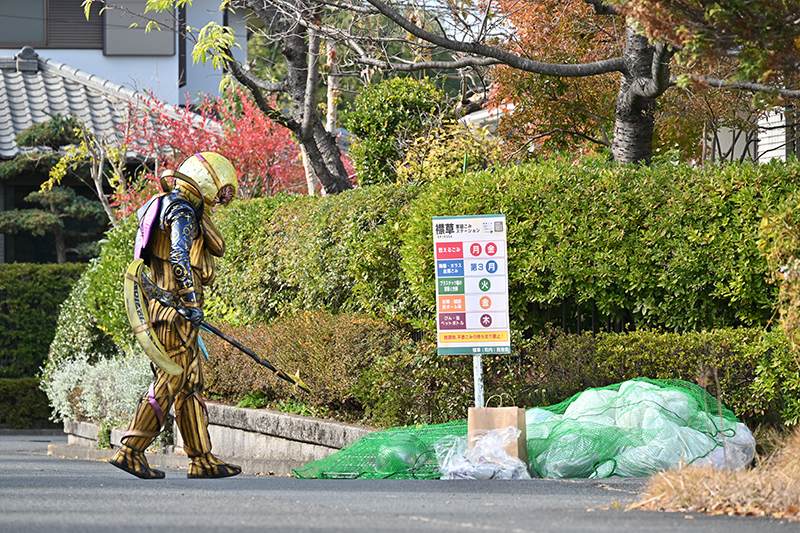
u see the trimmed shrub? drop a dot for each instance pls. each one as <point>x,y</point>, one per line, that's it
<point>667,246</point>
<point>416,385</point>
<point>664,246</point>
<point>104,297</point>
<point>749,370</point>
<point>331,353</point>
<point>385,118</point>
<point>23,405</point>
<point>30,295</point>
<point>301,253</point>
<point>448,151</point>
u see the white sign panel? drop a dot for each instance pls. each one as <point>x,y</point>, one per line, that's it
<point>471,260</point>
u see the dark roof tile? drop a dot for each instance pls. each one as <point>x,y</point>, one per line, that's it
<point>31,96</point>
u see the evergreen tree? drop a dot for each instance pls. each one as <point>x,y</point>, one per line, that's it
<point>74,223</point>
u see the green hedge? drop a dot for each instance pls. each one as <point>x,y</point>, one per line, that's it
<point>665,246</point>
<point>361,368</point>
<point>30,296</point>
<point>301,253</point>
<point>753,372</point>
<point>23,405</point>
<point>330,352</point>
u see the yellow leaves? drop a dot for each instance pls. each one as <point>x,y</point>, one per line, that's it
<point>87,7</point>
<point>214,42</point>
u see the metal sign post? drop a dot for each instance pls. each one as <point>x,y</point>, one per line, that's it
<point>472,289</point>
<point>477,373</point>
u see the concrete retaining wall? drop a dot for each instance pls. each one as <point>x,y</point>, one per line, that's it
<point>81,433</point>
<point>243,433</point>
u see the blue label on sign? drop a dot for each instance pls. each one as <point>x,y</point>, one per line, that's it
<point>450,268</point>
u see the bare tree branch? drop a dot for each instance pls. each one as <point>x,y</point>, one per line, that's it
<point>745,85</point>
<point>424,65</point>
<point>548,69</point>
<point>250,81</point>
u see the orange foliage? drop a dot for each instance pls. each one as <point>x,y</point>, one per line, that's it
<point>557,113</point>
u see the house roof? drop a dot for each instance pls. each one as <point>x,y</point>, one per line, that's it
<point>33,89</point>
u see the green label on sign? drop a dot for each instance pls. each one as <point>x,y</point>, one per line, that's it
<point>451,286</point>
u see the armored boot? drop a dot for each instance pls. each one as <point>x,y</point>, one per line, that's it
<point>208,466</point>
<point>192,421</point>
<point>144,428</point>
<point>134,462</point>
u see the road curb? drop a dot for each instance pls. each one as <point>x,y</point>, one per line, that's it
<point>265,467</point>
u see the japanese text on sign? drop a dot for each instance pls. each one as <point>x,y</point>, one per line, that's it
<point>471,284</point>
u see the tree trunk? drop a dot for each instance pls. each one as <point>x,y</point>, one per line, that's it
<point>58,239</point>
<point>635,113</point>
<point>319,146</point>
<point>311,179</point>
<point>61,247</point>
<point>333,89</point>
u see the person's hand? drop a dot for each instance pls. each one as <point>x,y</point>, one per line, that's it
<point>194,315</point>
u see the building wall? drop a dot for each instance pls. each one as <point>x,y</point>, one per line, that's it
<point>157,73</point>
<point>200,79</point>
<point>773,136</point>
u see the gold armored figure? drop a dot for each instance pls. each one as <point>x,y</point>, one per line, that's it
<point>179,242</point>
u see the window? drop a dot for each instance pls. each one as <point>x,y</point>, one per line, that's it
<point>123,39</point>
<point>50,24</point>
<point>22,22</point>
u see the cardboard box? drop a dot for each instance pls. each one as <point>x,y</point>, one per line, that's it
<point>486,418</point>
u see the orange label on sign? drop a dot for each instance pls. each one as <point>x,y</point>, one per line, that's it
<point>473,336</point>
<point>451,304</point>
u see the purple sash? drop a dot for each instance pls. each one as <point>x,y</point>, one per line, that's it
<point>147,215</point>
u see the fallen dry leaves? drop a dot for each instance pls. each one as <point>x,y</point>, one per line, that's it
<point>771,488</point>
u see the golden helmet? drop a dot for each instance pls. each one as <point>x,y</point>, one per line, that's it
<point>210,172</point>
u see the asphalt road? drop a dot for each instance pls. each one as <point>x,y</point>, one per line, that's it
<point>52,494</point>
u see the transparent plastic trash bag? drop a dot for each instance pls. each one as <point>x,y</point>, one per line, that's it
<point>487,459</point>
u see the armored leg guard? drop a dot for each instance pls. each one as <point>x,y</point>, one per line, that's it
<point>191,416</point>
<point>144,428</point>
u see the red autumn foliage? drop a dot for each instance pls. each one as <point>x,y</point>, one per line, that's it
<point>264,154</point>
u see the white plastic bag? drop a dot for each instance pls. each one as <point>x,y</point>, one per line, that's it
<point>486,460</point>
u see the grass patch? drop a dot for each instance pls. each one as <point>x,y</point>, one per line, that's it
<point>771,488</point>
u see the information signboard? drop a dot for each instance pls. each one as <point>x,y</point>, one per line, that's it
<point>471,284</point>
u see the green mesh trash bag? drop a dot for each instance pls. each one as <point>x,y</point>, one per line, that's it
<point>633,429</point>
<point>398,453</point>
<point>401,453</point>
<point>630,429</point>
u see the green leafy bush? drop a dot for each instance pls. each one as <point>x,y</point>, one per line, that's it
<point>776,386</point>
<point>331,352</point>
<point>751,372</point>
<point>104,296</point>
<point>448,151</point>
<point>30,295</point>
<point>87,376</point>
<point>23,405</point>
<point>300,253</point>
<point>385,118</point>
<point>663,246</point>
